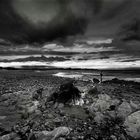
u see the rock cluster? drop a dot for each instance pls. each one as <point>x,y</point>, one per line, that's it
<point>66,113</point>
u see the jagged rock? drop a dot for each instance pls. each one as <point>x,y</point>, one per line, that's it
<point>79,102</point>
<point>113,137</point>
<point>115,102</point>
<point>29,109</point>
<point>57,121</point>
<point>50,116</point>
<point>104,97</point>
<point>37,94</point>
<point>33,108</point>
<point>124,109</point>
<point>53,135</point>
<point>101,104</point>
<point>61,138</point>
<point>134,106</point>
<point>95,81</point>
<point>66,93</point>
<point>3,131</point>
<point>111,114</point>
<point>93,91</point>
<point>132,124</point>
<point>11,136</point>
<point>98,117</point>
<point>5,97</point>
<point>61,105</point>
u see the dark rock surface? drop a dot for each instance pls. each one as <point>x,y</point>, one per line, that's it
<point>24,117</point>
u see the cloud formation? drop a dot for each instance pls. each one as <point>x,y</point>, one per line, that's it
<point>28,21</point>
<point>80,33</point>
<point>79,55</point>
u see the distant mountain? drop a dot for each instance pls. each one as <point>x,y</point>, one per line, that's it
<point>42,58</point>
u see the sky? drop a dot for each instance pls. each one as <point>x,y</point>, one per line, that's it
<point>94,34</point>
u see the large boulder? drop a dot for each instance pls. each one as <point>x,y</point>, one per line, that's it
<point>103,106</point>
<point>132,124</point>
<point>53,135</point>
<point>99,105</point>
<point>67,93</point>
<point>124,109</point>
<point>103,103</point>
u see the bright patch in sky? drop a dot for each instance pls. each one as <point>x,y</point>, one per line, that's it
<point>20,64</point>
<point>103,41</point>
<point>97,64</point>
<point>14,57</point>
<point>87,64</point>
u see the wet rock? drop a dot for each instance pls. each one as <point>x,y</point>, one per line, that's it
<point>79,102</point>
<point>53,135</point>
<point>60,105</point>
<point>124,109</point>
<point>132,124</point>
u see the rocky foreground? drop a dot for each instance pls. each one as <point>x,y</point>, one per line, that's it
<point>30,111</point>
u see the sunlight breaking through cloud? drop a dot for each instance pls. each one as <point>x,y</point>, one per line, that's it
<point>97,64</point>
<point>86,64</point>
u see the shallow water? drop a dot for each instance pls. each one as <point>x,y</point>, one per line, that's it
<point>89,76</point>
<point>68,75</point>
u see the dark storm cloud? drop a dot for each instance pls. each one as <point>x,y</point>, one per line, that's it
<point>9,21</point>
<point>50,24</point>
<point>28,21</point>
